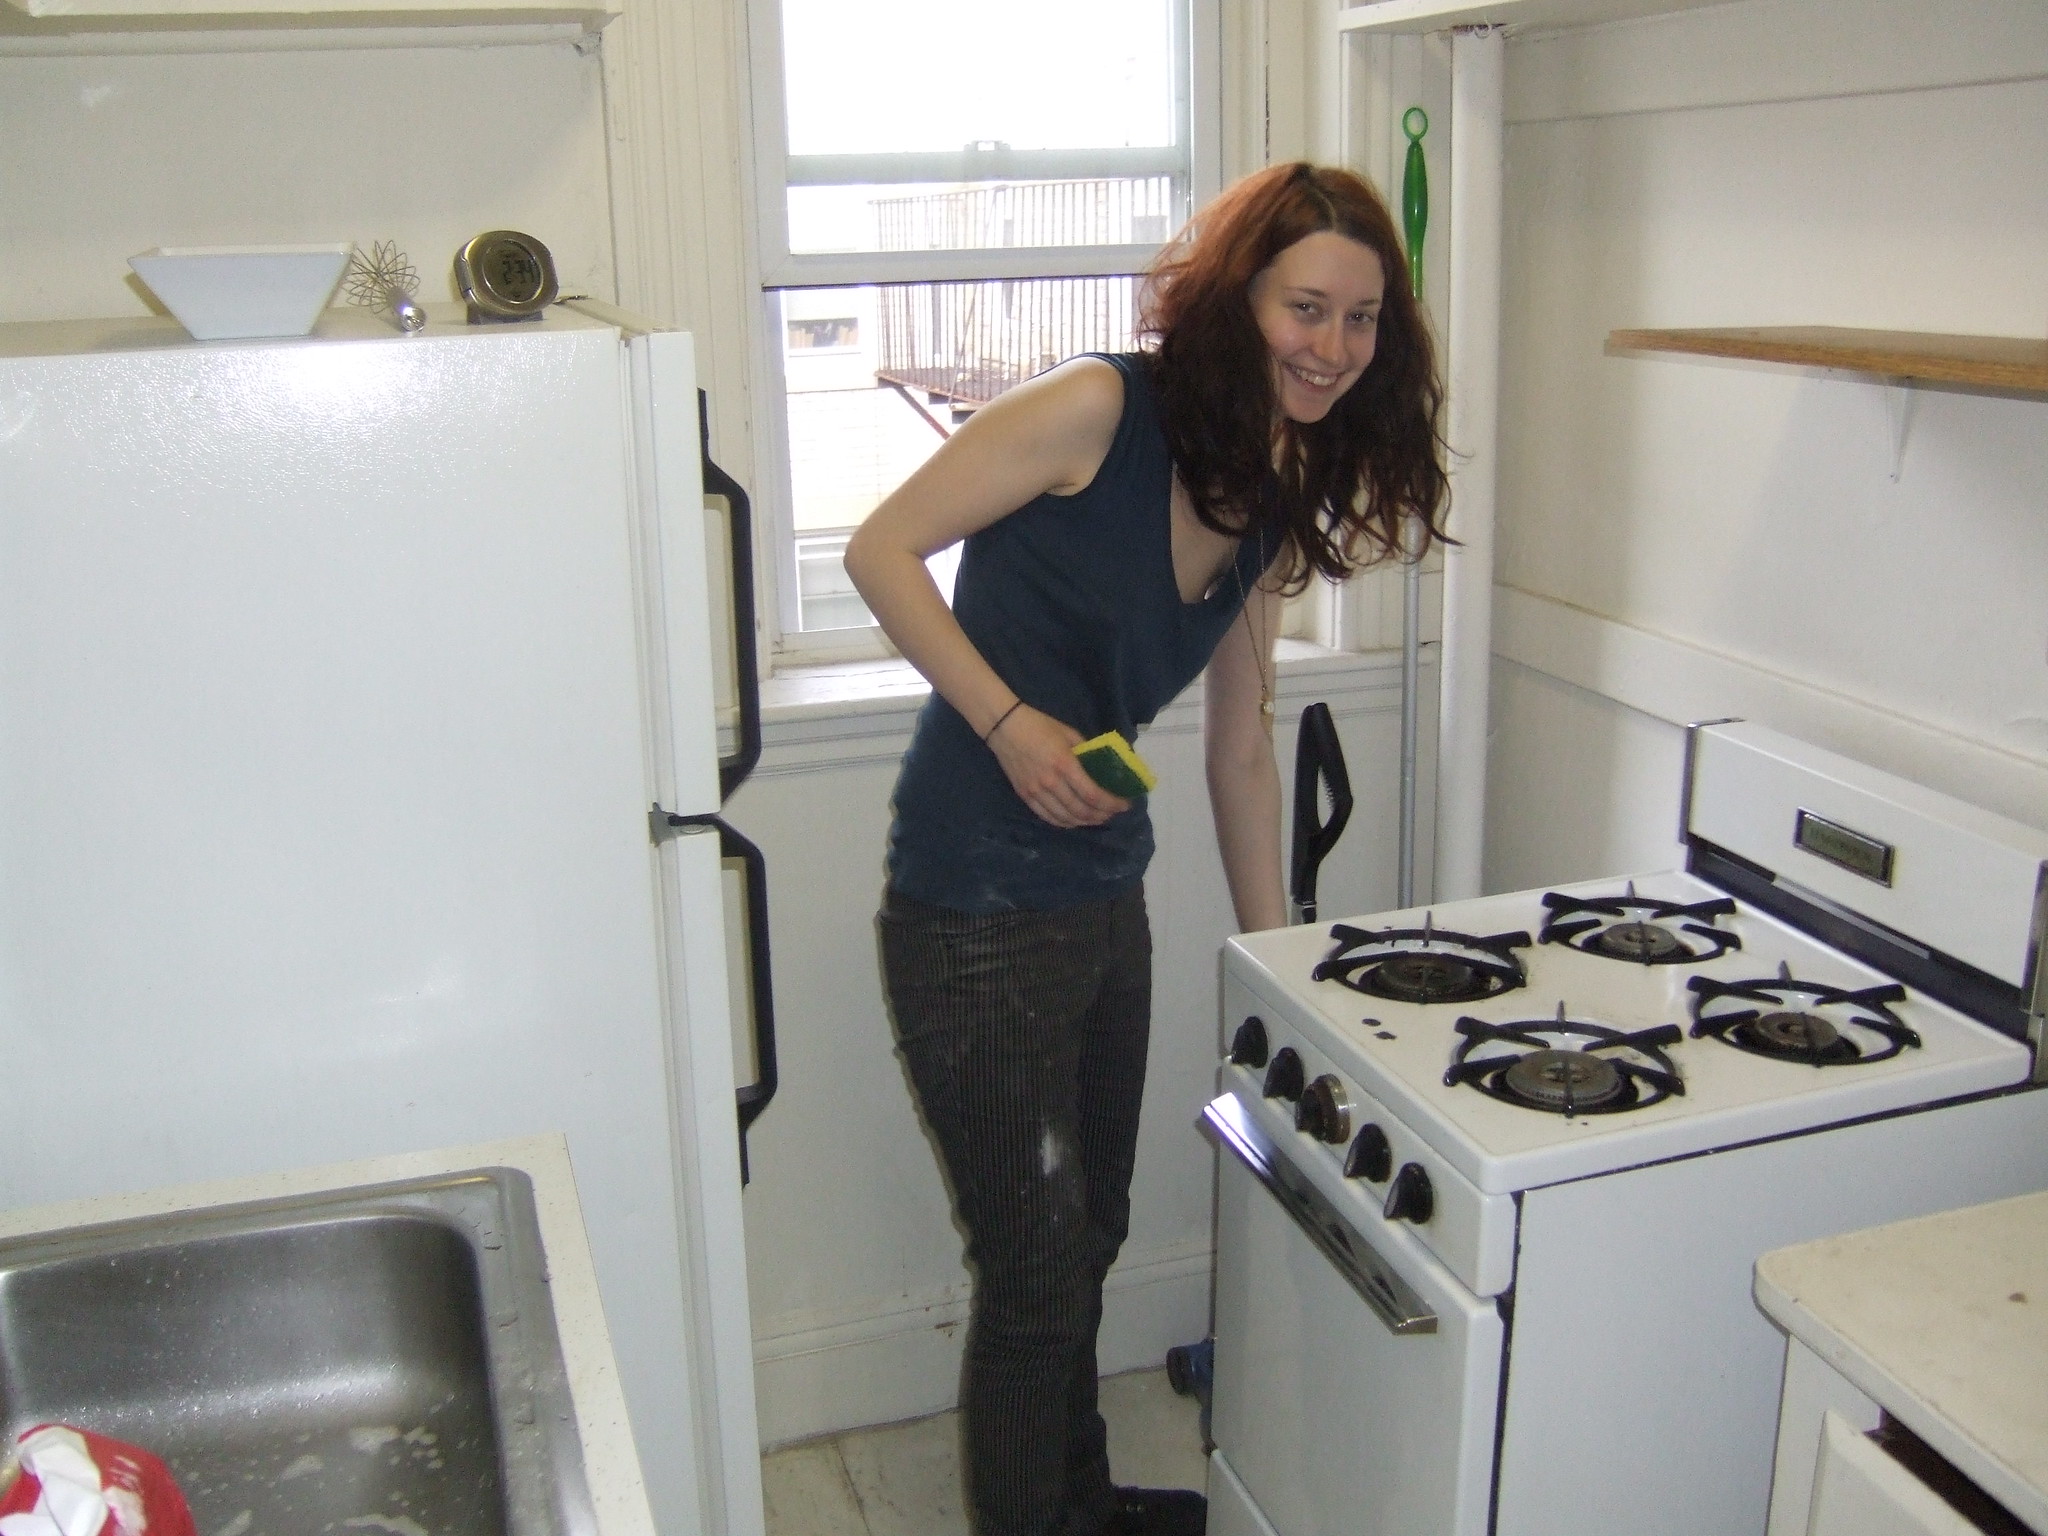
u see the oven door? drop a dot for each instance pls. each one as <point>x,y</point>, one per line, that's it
<point>1356,1381</point>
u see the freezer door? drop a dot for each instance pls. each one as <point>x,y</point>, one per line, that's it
<point>687,652</point>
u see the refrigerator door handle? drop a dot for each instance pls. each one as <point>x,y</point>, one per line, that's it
<point>752,1098</point>
<point>733,770</point>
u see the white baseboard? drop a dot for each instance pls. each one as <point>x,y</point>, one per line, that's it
<point>817,1375</point>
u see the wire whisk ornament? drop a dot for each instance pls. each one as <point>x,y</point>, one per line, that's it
<point>385,279</point>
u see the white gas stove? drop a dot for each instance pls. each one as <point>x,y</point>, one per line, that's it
<point>1510,1159</point>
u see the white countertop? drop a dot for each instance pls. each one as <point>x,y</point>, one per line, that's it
<point>610,1461</point>
<point>1943,1322</point>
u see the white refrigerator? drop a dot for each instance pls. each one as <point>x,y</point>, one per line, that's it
<point>358,794</point>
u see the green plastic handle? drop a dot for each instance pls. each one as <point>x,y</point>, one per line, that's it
<point>1415,194</point>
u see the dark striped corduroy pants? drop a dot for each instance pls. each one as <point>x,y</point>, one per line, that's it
<point>1025,1036</point>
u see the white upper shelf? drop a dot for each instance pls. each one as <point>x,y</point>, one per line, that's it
<point>24,22</point>
<point>1439,15</point>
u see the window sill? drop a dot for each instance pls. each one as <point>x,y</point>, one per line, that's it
<point>845,713</point>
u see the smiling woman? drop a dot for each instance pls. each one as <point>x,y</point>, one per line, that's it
<point>1345,479</point>
<point>1129,520</point>
<point>1318,306</point>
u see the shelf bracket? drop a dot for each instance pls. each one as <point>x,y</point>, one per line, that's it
<point>1899,399</point>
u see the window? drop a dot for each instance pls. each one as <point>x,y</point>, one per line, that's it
<point>837,333</point>
<point>952,199</point>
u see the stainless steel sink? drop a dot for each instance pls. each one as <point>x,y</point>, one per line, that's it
<point>381,1359</point>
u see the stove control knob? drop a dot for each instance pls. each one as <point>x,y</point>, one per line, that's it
<point>1248,1045</point>
<point>1371,1156</point>
<point>1411,1198</point>
<point>1324,1112</point>
<point>1284,1078</point>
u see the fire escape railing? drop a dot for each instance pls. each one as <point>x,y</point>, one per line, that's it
<point>962,344</point>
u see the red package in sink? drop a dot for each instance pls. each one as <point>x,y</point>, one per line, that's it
<point>72,1482</point>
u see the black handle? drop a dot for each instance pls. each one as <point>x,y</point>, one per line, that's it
<point>753,1097</point>
<point>733,770</point>
<point>1318,761</point>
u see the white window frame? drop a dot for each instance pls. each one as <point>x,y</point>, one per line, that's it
<point>1198,114</point>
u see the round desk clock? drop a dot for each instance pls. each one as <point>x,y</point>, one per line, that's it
<point>504,275</point>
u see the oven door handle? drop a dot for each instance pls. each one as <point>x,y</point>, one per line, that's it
<point>1393,1300</point>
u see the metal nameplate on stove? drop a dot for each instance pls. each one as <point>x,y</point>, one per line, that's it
<point>1393,1300</point>
<point>1844,847</point>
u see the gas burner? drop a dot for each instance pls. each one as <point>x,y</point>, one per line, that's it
<point>1420,965</point>
<point>1570,1067</point>
<point>1803,1021</point>
<point>1641,929</point>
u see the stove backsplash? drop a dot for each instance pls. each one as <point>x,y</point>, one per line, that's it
<point>1949,898</point>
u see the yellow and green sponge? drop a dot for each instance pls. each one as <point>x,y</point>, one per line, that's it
<point>1113,763</point>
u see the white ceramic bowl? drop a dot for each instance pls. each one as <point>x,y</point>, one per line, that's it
<point>226,291</point>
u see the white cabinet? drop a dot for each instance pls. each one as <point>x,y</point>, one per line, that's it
<point>1858,1490</point>
<point>1833,1477</point>
<point>1929,1332</point>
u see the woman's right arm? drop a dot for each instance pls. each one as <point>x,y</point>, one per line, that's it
<point>1048,434</point>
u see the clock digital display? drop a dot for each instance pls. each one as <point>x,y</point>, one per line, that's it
<point>1844,846</point>
<point>505,275</point>
<point>514,273</point>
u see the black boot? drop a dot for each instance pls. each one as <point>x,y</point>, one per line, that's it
<point>1158,1512</point>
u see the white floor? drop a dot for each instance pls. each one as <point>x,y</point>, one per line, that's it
<point>904,1479</point>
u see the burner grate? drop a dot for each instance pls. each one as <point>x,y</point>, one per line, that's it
<point>1422,965</point>
<point>1568,1066</point>
<point>1640,929</point>
<point>1801,1021</point>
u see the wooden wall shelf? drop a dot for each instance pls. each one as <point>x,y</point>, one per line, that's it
<point>1441,15</point>
<point>1992,362</point>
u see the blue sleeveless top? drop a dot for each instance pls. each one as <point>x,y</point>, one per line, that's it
<point>1072,600</point>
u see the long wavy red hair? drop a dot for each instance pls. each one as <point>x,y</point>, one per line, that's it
<point>1339,490</point>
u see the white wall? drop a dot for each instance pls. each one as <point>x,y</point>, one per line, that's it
<point>102,157</point>
<point>625,153</point>
<point>1681,540</point>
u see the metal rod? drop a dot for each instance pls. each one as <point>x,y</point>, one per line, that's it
<point>1477,118</point>
<point>1411,668</point>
